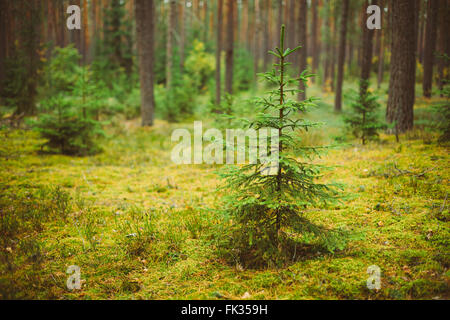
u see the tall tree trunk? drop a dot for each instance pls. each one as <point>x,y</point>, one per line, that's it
<point>257,37</point>
<point>171,22</point>
<point>76,34</point>
<point>382,38</point>
<point>85,30</point>
<point>219,50</point>
<point>314,37</point>
<point>302,25</point>
<point>327,40</point>
<point>145,30</point>
<point>334,47</point>
<point>3,39</point>
<point>291,25</point>
<point>278,24</point>
<point>229,55</point>
<point>400,107</point>
<point>341,58</point>
<point>244,22</point>
<point>205,21</point>
<point>182,33</point>
<point>421,31</point>
<point>366,62</point>
<point>266,36</point>
<point>444,42</point>
<point>430,47</point>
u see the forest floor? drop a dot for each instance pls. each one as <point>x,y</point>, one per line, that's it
<point>141,227</point>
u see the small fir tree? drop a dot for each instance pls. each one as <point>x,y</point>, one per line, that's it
<point>66,106</point>
<point>268,221</point>
<point>363,119</point>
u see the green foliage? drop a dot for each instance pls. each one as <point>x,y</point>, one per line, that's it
<point>178,102</point>
<point>268,210</point>
<point>200,65</point>
<point>363,119</point>
<point>243,70</point>
<point>19,88</point>
<point>67,131</point>
<point>69,99</point>
<point>61,72</point>
<point>115,50</point>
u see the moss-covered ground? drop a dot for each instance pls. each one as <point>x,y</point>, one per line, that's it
<point>141,227</point>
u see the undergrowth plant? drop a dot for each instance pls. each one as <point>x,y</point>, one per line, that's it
<point>363,120</point>
<point>68,106</point>
<point>269,226</point>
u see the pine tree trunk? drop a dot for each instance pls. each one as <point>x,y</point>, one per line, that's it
<point>327,40</point>
<point>403,66</point>
<point>366,59</point>
<point>3,39</point>
<point>381,36</point>
<point>334,47</point>
<point>145,26</point>
<point>266,37</point>
<point>421,31</point>
<point>314,37</point>
<point>85,30</point>
<point>291,22</point>
<point>182,33</point>
<point>244,39</point>
<point>444,42</point>
<point>76,34</point>
<point>171,22</point>
<point>304,50</point>
<point>229,54</point>
<point>257,37</point>
<point>219,50</point>
<point>341,58</point>
<point>430,46</point>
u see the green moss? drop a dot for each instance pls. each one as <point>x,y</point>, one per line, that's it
<point>134,188</point>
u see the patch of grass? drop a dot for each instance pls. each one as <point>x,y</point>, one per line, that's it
<point>174,251</point>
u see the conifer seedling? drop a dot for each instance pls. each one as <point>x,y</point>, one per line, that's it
<point>269,223</point>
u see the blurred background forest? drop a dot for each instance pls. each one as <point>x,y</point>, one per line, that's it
<point>209,48</point>
<point>86,118</point>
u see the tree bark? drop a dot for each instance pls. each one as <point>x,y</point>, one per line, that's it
<point>266,36</point>
<point>400,107</point>
<point>314,37</point>
<point>171,22</point>
<point>382,39</point>
<point>303,8</point>
<point>430,47</point>
<point>244,22</point>
<point>182,12</point>
<point>145,26</point>
<point>257,38</point>
<point>341,58</point>
<point>421,32</point>
<point>229,55</point>
<point>444,42</point>
<point>3,39</point>
<point>327,40</point>
<point>366,58</point>
<point>219,50</point>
